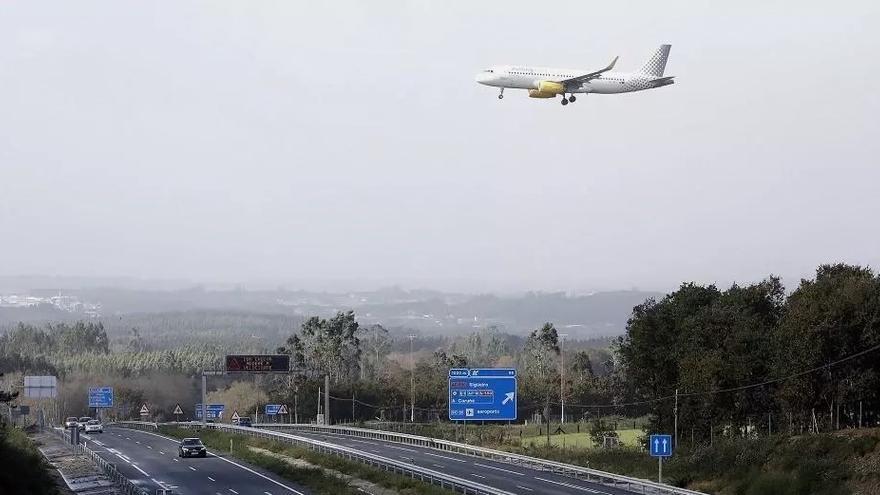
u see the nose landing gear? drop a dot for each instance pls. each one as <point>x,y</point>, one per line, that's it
<point>501,95</point>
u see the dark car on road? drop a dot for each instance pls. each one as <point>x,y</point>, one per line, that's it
<point>243,421</point>
<point>191,447</point>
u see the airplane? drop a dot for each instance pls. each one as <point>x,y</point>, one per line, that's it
<point>547,82</point>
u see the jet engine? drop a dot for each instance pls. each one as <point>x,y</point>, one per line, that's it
<point>547,89</point>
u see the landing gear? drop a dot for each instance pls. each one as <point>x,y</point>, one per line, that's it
<point>564,100</point>
<point>572,98</point>
<point>501,95</point>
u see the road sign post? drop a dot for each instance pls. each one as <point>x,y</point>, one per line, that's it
<point>660,446</point>
<point>482,394</point>
<point>177,412</point>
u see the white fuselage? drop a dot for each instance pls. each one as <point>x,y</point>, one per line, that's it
<point>517,77</point>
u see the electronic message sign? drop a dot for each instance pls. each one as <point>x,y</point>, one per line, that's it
<point>258,363</point>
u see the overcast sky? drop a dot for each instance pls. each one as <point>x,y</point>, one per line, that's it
<point>347,142</point>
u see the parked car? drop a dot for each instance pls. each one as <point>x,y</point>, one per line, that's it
<point>71,422</point>
<point>191,447</point>
<point>242,421</point>
<point>94,426</point>
<point>82,422</point>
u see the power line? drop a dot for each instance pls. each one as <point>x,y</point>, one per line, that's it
<point>736,389</point>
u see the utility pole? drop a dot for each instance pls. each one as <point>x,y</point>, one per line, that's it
<point>296,404</point>
<point>675,412</point>
<point>204,399</point>
<point>412,381</point>
<point>562,377</point>
<point>327,399</point>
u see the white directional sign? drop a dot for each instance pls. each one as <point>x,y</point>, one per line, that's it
<point>177,410</point>
<point>40,387</point>
<point>144,410</point>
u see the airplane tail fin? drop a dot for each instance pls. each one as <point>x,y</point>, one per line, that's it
<point>657,63</point>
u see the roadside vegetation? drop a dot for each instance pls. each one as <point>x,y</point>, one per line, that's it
<point>318,478</point>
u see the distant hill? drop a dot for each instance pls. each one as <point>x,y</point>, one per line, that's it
<point>428,311</point>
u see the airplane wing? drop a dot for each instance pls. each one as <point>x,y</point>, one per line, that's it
<point>592,75</point>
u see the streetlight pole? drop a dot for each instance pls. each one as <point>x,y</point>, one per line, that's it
<point>562,375</point>
<point>412,382</point>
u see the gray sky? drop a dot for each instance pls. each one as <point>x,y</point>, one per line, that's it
<point>347,141</point>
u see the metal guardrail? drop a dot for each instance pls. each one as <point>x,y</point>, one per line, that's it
<point>635,485</point>
<point>413,471</point>
<point>109,469</point>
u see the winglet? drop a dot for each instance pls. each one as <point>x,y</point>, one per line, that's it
<point>611,65</point>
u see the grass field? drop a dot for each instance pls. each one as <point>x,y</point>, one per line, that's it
<point>628,437</point>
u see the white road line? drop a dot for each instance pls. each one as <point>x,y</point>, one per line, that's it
<point>569,485</point>
<point>212,479</point>
<point>524,488</point>
<point>192,468</point>
<point>176,460</point>
<point>499,469</point>
<point>163,453</point>
<point>438,465</point>
<point>149,447</point>
<point>267,493</point>
<point>445,457</point>
<point>282,485</point>
<point>233,491</point>
<point>401,448</point>
<point>141,470</point>
<point>127,438</point>
<point>478,476</point>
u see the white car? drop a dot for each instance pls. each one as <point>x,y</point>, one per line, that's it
<point>94,426</point>
<point>71,422</point>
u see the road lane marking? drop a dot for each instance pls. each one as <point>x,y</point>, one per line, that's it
<point>212,479</point>
<point>478,475</point>
<point>401,448</point>
<point>445,457</point>
<point>282,485</point>
<point>499,469</point>
<point>233,491</point>
<point>569,485</point>
<point>137,442</point>
<point>163,453</point>
<point>192,468</point>
<point>149,447</point>
<point>438,465</point>
<point>128,438</point>
<point>267,493</point>
<point>141,470</point>
<point>524,488</point>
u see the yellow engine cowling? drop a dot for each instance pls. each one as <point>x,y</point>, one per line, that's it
<point>547,89</point>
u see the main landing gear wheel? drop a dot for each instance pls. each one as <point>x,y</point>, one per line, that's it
<point>564,101</point>
<point>501,95</point>
<point>572,98</point>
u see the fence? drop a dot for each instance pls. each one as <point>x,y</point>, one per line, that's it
<point>109,469</point>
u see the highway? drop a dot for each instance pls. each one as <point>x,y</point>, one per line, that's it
<point>150,461</point>
<point>508,477</point>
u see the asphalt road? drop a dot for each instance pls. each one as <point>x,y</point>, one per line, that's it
<point>150,461</point>
<point>512,478</point>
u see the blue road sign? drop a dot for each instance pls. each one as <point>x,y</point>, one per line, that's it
<point>272,409</point>
<point>660,445</point>
<point>101,397</point>
<point>214,411</point>
<point>482,394</point>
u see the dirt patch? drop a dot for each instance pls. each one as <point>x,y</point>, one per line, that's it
<point>363,485</point>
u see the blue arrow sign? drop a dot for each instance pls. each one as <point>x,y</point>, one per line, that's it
<point>482,394</point>
<point>272,409</point>
<point>660,445</point>
<point>214,411</point>
<point>101,397</point>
